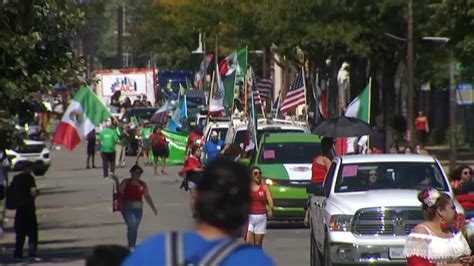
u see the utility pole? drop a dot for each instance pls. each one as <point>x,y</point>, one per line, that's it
<point>120,36</point>
<point>411,89</point>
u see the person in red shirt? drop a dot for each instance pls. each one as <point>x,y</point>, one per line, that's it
<point>421,127</point>
<point>261,198</point>
<point>191,171</point>
<point>322,162</point>
<point>159,148</point>
<point>194,135</point>
<point>133,190</point>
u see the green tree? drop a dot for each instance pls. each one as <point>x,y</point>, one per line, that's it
<point>35,54</point>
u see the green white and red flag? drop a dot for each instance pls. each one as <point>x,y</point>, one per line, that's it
<point>83,114</point>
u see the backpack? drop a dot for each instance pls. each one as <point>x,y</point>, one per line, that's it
<point>12,200</point>
<point>174,250</point>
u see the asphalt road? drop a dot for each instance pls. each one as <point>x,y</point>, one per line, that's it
<point>75,214</point>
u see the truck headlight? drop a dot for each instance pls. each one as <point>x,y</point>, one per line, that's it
<point>340,223</point>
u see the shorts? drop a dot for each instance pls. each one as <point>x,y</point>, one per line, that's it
<point>257,223</point>
<point>160,152</point>
<point>191,184</point>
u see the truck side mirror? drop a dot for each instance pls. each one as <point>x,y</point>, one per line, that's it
<point>315,189</point>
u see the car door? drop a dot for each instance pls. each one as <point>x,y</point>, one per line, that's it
<point>320,204</point>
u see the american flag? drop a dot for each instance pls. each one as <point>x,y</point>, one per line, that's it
<point>161,115</point>
<point>295,96</point>
<point>252,84</point>
<point>265,87</point>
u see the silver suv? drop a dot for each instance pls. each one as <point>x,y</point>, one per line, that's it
<point>33,151</point>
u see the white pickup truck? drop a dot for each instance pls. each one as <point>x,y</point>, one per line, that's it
<point>367,206</point>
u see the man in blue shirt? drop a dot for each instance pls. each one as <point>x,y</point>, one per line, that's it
<point>213,147</point>
<point>221,208</point>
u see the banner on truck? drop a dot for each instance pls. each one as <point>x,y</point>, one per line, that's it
<point>176,144</point>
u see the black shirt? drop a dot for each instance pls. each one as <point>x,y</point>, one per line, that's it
<point>23,183</point>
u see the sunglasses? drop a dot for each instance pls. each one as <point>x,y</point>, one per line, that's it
<point>257,173</point>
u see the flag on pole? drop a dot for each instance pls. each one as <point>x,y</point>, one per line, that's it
<point>161,115</point>
<point>252,84</point>
<point>359,108</point>
<point>265,88</point>
<point>201,74</point>
<point>216,103</point>
<point>83,114</point>
<point>295,96</point>
<point>230,67</point>
<point>180,113</point>
<point>250,141</point>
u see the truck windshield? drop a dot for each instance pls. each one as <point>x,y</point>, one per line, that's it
<point>389,175</point>
<point>240,135</point>
<point>294,152</point>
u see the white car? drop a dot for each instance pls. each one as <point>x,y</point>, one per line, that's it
<point>367,206</point>
<point>33,151</point>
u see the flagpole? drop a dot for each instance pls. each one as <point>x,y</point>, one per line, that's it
<point>369,106</point>
<point>317,99</point>
<point>211,93</point>
<point>245,96</point>
<point>305,98</point>
<point>233,95</point>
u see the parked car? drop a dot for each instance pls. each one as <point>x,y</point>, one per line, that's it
<point>33,151</point>
<point>285,160</point>
<point>367,206</point>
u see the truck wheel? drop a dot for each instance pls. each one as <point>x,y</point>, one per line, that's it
<point>327,252</point>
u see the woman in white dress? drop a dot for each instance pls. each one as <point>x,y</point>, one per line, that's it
<point>431,242</point>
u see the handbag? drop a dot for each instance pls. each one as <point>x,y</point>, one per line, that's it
<point>117,200</point>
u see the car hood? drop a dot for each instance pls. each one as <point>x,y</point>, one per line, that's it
<point>286,171</point>
<point>350,202</point>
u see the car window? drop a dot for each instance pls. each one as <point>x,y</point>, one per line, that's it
<point>240,135</point>
<point>288,152</point>
<point>220,131</point>
<point>328,180</point>
<point>389,175</point>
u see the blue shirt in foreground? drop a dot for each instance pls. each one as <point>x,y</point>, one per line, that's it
<point>213,149</point>
<point>151,252</point>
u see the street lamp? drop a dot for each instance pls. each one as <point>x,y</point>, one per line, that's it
<point>452,103</point>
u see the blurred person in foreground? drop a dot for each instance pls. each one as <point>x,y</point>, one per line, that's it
<point>107,255</point>
<point>222,206</point>
<point>432,242</point>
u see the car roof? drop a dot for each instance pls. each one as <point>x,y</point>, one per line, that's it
<point>291,137</point>
<point>376,158</point>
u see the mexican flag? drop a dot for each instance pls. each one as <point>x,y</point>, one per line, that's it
<point>230,68</point>
<point>83,114</point>
<point>358,108</point>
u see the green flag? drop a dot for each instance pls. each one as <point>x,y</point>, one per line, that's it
<point>360,106</point>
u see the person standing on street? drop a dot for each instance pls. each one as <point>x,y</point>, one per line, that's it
<point>261,196</point>
<point>159,147</point>
<point>121,144</point>
<point>191,171</point>
<point>422,128</point>
<point>144,132</point>
<point>213,147</point>
<point>133,190</point>
<point>23,193</point>
<point>115,102</point>
<point>222,206</point>
<point>91,149</point>
<point>108,138</point>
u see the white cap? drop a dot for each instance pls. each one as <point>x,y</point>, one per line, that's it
<point>214,134</point>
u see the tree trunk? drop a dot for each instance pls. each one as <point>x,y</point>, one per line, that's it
<point>388,95</point>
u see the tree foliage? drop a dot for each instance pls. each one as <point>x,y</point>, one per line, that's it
<point>35,54</point>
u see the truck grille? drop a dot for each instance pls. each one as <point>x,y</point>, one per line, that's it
<point>397,221</point>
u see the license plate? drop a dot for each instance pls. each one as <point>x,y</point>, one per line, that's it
<point>396,253</point>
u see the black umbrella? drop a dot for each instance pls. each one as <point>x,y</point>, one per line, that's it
<point>343,127</point>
